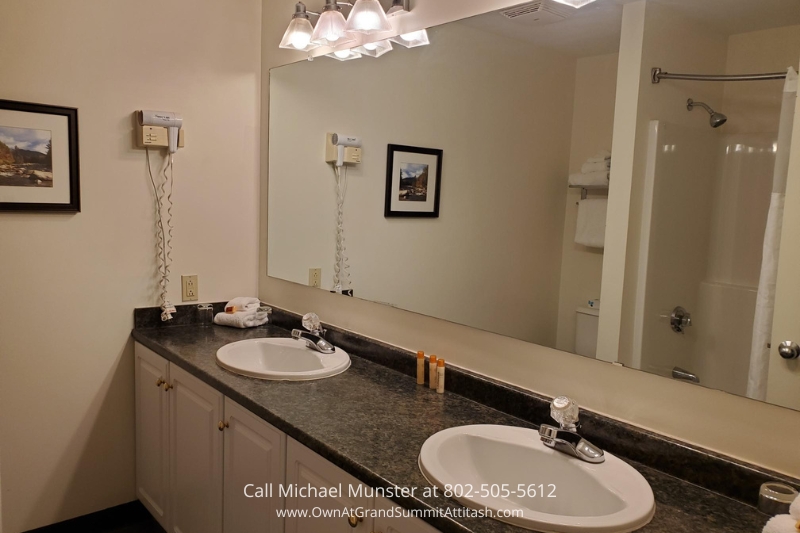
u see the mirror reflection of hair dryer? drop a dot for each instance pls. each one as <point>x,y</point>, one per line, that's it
<point>165,119</point>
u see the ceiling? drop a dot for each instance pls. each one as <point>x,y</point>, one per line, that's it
<point>595,28</point>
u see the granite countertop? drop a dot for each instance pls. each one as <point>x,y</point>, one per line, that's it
<point>368,421</point>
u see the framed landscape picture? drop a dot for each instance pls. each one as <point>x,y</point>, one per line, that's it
<point>413,181</point>
<point>39,168</point>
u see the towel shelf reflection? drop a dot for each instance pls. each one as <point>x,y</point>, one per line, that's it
<point>586,188</point>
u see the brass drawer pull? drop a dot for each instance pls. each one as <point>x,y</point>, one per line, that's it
<point>160,382</point>
<point>353,520</point>
<point>167,386</point>
<point>222,425</point>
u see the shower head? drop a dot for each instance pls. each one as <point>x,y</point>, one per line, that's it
<point>716,120</point>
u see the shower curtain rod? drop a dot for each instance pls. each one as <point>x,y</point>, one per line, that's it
<point>658,75</point>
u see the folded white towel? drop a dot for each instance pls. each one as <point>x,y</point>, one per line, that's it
<point>591,227</point>
<point>794,510</point>
<point>783,523</point>
<point>242,319</point>
<point>594,179</point>
<point>243,303</point>
<point>602,166</point>
<point>602,155</point>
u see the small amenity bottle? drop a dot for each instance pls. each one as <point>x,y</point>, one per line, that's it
<point>420,368</point>
<point>432,375</point>
<point>440,377</point>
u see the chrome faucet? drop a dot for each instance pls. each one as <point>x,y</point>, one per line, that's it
<point>314,337</point>
<point>565,439</point>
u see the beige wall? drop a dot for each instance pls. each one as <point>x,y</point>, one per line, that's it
<point>505,162</point>
<point>685,46</point>
<point>70,282</point>
<point>592,128</point>
<point>648,401</point>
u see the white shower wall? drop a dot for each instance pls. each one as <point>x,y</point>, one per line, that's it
<point>734,166</point>
<point>703,251</point>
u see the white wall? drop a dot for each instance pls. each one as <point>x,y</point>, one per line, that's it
<point>500,110</point>
<point>70,282</point>
<point>592,129</point>
<point>645,400</point>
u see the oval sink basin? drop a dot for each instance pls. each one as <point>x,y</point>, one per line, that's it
<point>509,469</point>
<point>281,359</point>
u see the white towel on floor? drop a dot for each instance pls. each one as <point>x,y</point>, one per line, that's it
<point>602,166</point>
<point>594,179</point>
<point>783,523</point>
<point>591,227</point>
<point>242,319</point>
<point>243,303</point>
<point>794,510</point>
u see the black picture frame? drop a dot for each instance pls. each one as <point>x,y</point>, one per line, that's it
<point>71,113</point>
<point>390,170</point>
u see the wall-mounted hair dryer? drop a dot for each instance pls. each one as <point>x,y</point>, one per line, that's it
<point>346,141</point>
<point>165,119</point>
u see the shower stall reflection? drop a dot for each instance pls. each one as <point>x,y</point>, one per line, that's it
<point>709,243</point>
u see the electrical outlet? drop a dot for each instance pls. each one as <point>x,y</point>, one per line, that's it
<point>189,288</point>
<point>315,277</point>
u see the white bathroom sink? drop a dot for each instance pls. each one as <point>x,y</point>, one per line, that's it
<point>281,359</point>
<point>553,492</point>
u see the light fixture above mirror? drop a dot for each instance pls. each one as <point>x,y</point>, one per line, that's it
<point>412,39</point>
<point>330,29</point>
<point>368,17</point>
<point>333,30</point>
<point>577,4</point>
<point>344,55</point>
<point>299,33</point>
<point>376,49</point>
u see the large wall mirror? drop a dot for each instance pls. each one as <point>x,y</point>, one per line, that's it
<point>488,159</point>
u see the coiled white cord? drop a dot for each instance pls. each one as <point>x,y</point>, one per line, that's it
<point>341,268</point>
<point>163,238</point>
<point>170,227</point>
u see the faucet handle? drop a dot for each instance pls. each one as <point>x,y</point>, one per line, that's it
<point>312,323</point>
<point>565,411</point>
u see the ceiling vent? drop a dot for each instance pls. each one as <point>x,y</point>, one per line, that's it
<point>538,12</point>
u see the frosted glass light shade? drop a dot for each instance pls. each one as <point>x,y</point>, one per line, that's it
<point>374,49</point>
<point>575,3</point>
<point>344,55</point>
<point>368,17</point>
<point>298,35</point>
<point>413,39</point>
<point>330,29</point>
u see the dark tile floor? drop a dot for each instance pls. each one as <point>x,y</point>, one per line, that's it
<point>127,518</point>
<point>148,525</point>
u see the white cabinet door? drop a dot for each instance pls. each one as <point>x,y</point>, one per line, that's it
<point>152,433</point>
<point>397,524</point>
<point>195,454</point>
<point>305,468</point>
<point>255,457</point>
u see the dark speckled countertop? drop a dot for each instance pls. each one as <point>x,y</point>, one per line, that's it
<point>367,421</point>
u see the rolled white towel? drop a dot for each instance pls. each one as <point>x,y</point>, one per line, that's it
<point>794,509</point>
<point>601,166</point>
<point>242,319</point>
<point>243,303</point>
<point>594,179</point>
<point>783,523</point>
